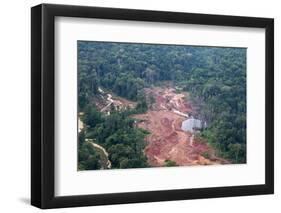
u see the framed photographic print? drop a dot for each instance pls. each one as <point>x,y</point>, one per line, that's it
<point>139,106</point>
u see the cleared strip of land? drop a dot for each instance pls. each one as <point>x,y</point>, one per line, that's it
<point>167,141</point>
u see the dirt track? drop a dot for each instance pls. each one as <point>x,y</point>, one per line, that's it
<point>167,140</point>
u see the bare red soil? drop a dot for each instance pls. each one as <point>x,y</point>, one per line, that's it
<point>167,141</point>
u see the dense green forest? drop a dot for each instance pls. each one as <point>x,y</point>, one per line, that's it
<point>214,77</point>
<point>109,131</point>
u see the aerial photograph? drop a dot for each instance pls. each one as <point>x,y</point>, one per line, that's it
<point>160,105</point>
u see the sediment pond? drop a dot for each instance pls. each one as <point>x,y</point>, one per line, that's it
<point>191,124</point>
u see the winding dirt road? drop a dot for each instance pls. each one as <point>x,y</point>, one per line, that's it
<point>95,145</point>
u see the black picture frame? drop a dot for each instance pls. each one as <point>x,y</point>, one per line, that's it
<point>43,102</point>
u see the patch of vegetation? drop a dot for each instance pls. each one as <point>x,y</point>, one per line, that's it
<point>118,135</point>
<point>88,158</point>
<point>206,154</point>
<point>170,163</point>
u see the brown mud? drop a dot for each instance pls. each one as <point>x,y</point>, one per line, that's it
<point>167,141</point>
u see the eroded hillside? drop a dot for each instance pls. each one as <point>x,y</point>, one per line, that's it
<point>167,141</point>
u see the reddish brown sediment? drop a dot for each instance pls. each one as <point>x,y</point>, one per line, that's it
<point>167,141</point>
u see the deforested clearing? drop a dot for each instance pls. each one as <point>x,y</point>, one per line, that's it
<point>167,140</point>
